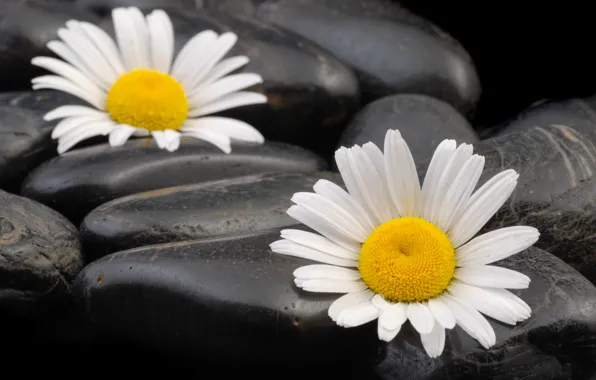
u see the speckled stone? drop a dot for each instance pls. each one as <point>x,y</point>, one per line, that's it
<point>222,208</point>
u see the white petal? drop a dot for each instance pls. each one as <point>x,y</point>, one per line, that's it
<point>223,87</point>
<point>160,48</point>
<point>191,55</point>
<point>441,312</point>
<point>87,52</point>
<point>290,248</point>
<point>378,160</point>
<point>329,272</point>
<point>142,42</point>
<point>167,55</point>
<point>420,317</point>
<point>459,192</point>
<point>483,204</point>
<point>68,72</point>
<point>69,124</point>
<point>218,50</point>
<point>319,243</point>
<point>358,315</point>
<point>60,84</point>
<point>323,225</point>
<point>456,162</point>
<point>70,111</point>
<point>127,38</point>
<point>218,139</point>
<point>401,175</point>
<point>483,302</point>
<point>437,165</point>
<point>105,44</point>
<point>66,53</point>
<point>342,220</point>
<point>121,134</point>
<point>472,322</point>
<point>160,139</point>
<point>330,286</point>
<point>348,300</point>
<point>237,99</point>
<point>392,316</point>
<point>365,184</point>
<point>74,137</point>
<point>222,69</point>
<point>434,342</point>
<point>496,245</point>
<point>492,277</point>
<point>515,304</point>
<point>234,129</point>
<point>340,197</point>
<point>172,138</point>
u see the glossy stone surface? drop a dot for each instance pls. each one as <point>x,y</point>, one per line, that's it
<point>556,191</point>
<point>26,27</point>
<point>391,50</point>
<point>228,297</point>
<point>558,341</point>
<point>222,208</point>
<point>24,137</point>
<point>104,7</point>
<point>40,254</point>
<point>82,179</point>
<point>423,122</point>
<point>310,92</point>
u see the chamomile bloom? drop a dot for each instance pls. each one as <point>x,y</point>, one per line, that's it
<point>137,88</point>
<point>405,252</point>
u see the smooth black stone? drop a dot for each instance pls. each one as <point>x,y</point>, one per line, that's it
<point>423,122</point>
<point>556,190</point>
<point>104,7</point>
<point>557,342</point>
<point>24,136</point>
<point>310,92</point>
<point>221,208</point>
<point>26,27</point>
<point>40,254</point>
<point>80,180</point>
<point>391,50</point>
<point>227,297</point>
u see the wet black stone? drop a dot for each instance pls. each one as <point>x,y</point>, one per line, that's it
<point>26,27</point>
<point>228,297</point>
<point>310,92</point>
<point>556,191</point>
<point>222,208</point>
<point>40,254</point>
<point>423,122</point>
<point>557,342</point>
<point>391,50</point>
<point>82,179</point>
<point>104,7</point>
<point>24,136</point>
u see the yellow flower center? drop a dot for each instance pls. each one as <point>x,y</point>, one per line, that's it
<point>148,99</point>
<point>407,259</point>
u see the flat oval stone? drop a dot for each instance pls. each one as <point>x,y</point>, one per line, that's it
<point>80,180</point>
<point>26,27</point>
<point>310,92</point>
<point>556,190</point>
<point>391,50</point>
<point>222,208</point>
<point>104,7</point>
<point>40,254</point>
<point>24,136</point>
<point>557,341</point>
<point>227,297</point>
<point>423,122</point>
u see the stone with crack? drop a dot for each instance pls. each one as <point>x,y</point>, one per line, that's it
<point>40,253</point>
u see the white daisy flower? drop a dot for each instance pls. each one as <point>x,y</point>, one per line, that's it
<point>402,252</point>
<point>136,89</point>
